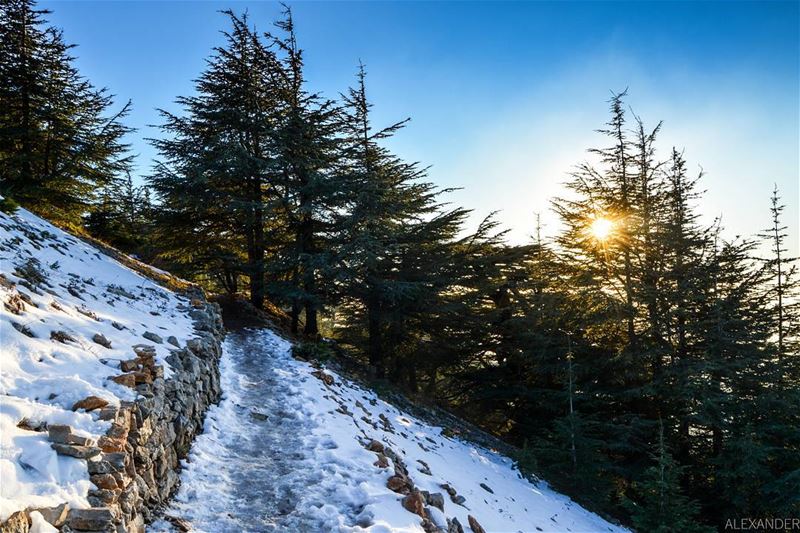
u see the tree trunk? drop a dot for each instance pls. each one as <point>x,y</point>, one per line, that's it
<point>374,330</point>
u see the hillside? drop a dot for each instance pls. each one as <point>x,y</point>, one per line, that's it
<point>290,447</point>
<point>83,367</point>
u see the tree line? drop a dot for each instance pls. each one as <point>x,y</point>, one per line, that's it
<point>642,362</point>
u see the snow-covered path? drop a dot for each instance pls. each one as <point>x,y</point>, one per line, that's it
<point>247,471</point>
<point>296,450</point>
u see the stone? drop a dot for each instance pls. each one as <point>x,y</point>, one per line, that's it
<point>144,350</point>
<point>454,526</point>
<point>126,380</point>
<point>398,484</point>
<point>72,450</point>
<point>179,523</point>
<point>92,519</point>
<point>382,461</point>
<point>173,341</point>
<point>436,500</point>
<point>415,503</point>
<point>474,525</point>
<point>90,403</point>
<point>375,446</point>
<point>62,434</point>
<point>18,522</point>
<point>30,425</point>
<point>149,335</point>
<point>55,516</point>
<point>61,336</point>
<point>487,488</point>
<point>258,416</point>
<point>105,482</point>
<point>424,468</point>
<point>118,326</point>
<point>458,499</point>
<point>327,379</point>
<point>129,365</point>
<point>101,340</point>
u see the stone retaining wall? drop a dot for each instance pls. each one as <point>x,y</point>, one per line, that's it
<point>135,466</point>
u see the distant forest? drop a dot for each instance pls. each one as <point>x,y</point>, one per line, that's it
<point>639,360</point>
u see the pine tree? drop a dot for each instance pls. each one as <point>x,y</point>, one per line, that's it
<point>663,508</point>
<point>394,244</point>
<point>58,142</point>
<point>307,151</point>
<point>217,180</point>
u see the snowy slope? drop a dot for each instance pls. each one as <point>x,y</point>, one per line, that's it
<point>287,451</point>
<point>59,295</point>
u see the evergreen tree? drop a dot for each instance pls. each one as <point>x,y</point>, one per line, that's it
<point>307,151</point>
<point>395,242</point>
<point>218,181</point>
<point>662,507</point>
<point>58,140</point>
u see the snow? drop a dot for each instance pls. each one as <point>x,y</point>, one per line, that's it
<point>83,293</point>
<point>305,467</point>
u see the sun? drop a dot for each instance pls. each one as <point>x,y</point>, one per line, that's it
<point>601,228</point>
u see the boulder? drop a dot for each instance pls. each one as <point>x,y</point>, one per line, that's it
<point>101,340</point>
<point>398,484</point>
<point>375,446</point>
<point>79,452</point>
<point>90,403</point>
<point>415,503</point>
<point>474,525</point>
<point>127,380</point>
<point>149,335</point>
<point>92,519</point>
<point>173,341</point>
<point>18,522</point>
<point>55,516</point>
<point>436,500</point>
<point>454,526</point>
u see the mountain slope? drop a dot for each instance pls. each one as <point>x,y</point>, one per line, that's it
<point>294,448</point>
<point>70,316</point>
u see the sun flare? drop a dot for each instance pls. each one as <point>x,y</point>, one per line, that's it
<point>601,228</point>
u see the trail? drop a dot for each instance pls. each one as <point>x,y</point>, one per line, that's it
<point>250,468</point>
<point>294,449</point>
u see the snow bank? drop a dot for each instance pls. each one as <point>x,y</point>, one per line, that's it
<point>69,316</point>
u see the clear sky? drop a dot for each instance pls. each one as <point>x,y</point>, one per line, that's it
<point>505,97</point>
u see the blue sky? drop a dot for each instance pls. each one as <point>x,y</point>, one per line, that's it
<point>505,97</point>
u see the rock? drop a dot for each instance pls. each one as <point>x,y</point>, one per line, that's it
<point>173,341</point>
<point>129,365</point>
<point>29,425</point>
<point>73,450</point>
<point>375,446</point>
<point>149,335</point>
<point>18,522</point>
<point>127,380</point>
<point>487,488</point>
<point>92,519</point>
<point>474,525</point>
<point>61,336</point>
<point>101,340</point>
<point>458,499</point>
<point>382,461</point>
<point>258,416</point>
<point>55,516</point>
<point>179,523</point>
<point>425,469</point>
<point>436,500</point>
<point>454,526</point>
<point>415,503</point>
<point>22,328</point>
<point>449,489</point>
<point>90,403</point>
<point>398,484</point>
<point>105,482</point>
<point>62,434</point>
<point>327,379</point>
<point>118,326</point>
